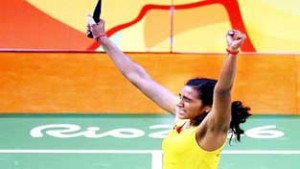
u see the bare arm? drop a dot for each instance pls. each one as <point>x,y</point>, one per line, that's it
<point>220,116</point>
<point>218,120</point>
<point>134,72</point>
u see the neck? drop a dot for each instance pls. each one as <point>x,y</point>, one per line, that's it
<point>196,121</point>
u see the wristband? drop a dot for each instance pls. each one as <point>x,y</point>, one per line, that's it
<point>232,52</point>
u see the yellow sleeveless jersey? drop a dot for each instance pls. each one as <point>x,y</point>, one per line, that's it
<point>181,151</point>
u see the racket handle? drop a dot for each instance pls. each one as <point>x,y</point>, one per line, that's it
<point>90,35</point>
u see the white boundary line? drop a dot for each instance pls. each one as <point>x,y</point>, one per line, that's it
<point>156,161</point>
<point>73,151</point>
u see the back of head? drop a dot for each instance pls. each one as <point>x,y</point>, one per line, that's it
<point>205,88</point>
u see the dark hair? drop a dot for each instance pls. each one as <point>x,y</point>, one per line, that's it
<point>239,112</point>
<point>205,88</point>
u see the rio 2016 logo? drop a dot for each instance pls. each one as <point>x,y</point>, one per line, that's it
<point>155,132</point>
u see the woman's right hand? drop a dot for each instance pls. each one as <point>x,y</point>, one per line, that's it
<point>235,39</point>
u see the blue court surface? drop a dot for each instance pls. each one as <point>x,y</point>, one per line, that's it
<point>126,141</point>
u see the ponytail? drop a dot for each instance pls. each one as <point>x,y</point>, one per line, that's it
<point>239,114</point>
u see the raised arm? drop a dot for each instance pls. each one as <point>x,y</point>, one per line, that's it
<point>212,134</point>
<point>220,116</point>
<point>132,71</point>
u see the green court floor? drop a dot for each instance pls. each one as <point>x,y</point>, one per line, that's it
<point>133,142</point>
